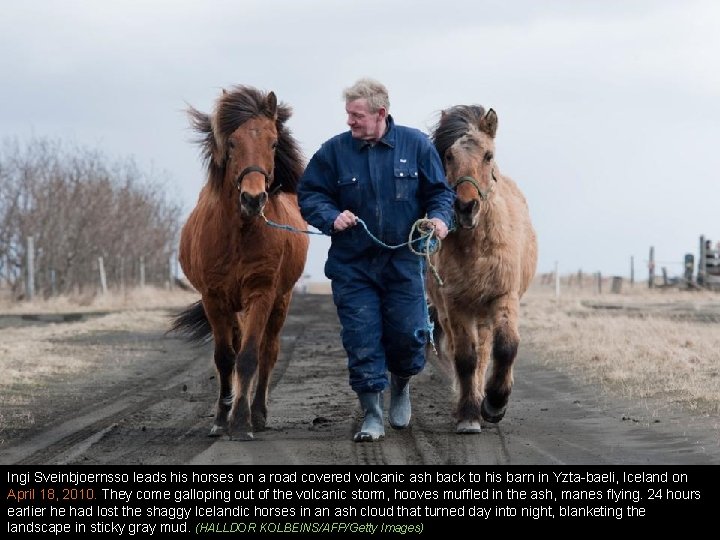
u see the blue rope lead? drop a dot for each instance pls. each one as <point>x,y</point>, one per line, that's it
<point>286,227</point>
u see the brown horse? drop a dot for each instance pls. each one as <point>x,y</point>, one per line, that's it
<point>486,263</point>
<point>244,269</point>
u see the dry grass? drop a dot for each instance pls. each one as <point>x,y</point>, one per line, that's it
<point>31,360</point>
<point>138,298</point>
<point>660,345</point>
<point>28,352</point>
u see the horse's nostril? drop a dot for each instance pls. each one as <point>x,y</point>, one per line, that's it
<point>254,202</point>
<point>465,207</point>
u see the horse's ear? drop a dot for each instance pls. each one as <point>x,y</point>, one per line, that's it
<point>271,103</point>
<point>489,123</point>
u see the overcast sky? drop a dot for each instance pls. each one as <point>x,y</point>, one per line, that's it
<point>609,111</point>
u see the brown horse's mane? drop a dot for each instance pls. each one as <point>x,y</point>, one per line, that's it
<point>234,108</point>
<point>454,123</point>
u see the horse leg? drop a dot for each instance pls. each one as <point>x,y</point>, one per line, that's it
<point>252,323</point>
<point>224,360</point>
<point>239,425</point>
<point>268,359</point>
<point>442,338</point>
<point>471,358</point>
<point>506,340</point>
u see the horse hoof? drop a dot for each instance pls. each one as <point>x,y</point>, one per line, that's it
<point>490,413</point>
<point>468,426</point>
<point>216,431</point>
<point>259,423</point>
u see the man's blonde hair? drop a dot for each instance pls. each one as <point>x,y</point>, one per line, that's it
<point>373,91</point>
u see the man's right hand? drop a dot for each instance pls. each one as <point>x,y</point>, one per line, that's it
<point>345,220</point>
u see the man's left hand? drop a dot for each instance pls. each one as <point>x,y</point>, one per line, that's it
<point>438,225</point>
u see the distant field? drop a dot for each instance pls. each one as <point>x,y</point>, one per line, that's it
<point>661,345</point>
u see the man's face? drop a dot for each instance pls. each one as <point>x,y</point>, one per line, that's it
<point>364,124</point>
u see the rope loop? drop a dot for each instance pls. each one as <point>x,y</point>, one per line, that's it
<point>427,243</point>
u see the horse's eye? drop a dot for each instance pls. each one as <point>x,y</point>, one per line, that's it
<point>448,157</point>
<point>274,145</point>
<point>488,156</point>
<point>230,144</point>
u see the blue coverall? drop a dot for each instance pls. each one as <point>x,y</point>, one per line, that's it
<point>378,292</point>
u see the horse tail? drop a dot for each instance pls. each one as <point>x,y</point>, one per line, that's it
<point>192,324</point>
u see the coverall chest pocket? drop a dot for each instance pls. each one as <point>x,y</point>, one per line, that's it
<point>349,191</point>
<point>406,182</point>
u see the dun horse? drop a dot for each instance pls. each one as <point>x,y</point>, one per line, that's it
<point>244,269</point>
<point>486,264</point>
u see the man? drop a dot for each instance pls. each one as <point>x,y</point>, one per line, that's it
<point>388,176</point>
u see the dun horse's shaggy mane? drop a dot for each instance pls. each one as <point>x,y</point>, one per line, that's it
<point>454,123</point>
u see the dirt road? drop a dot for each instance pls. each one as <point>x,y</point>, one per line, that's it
<point>147,398</point>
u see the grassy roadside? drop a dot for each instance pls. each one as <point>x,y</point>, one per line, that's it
<point>661,345</point>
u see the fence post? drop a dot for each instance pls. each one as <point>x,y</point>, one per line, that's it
<point>701,263</point>
<point>632,270</point>
<point>122,275</point>
<point>103,278</point>
<point>651,268</point>
<point>30,267</point>
<point>142,271</point>
<point>53,283</point>
<point>6,271</point>
<point>689,269</point>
